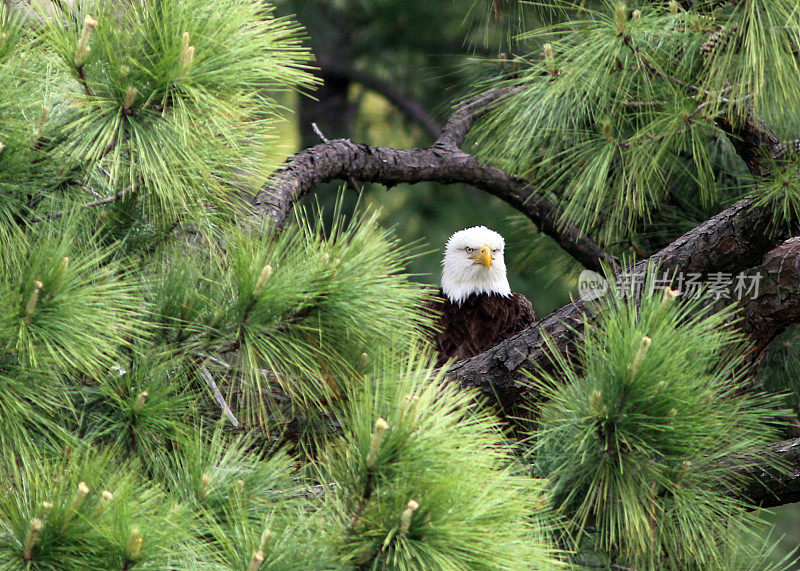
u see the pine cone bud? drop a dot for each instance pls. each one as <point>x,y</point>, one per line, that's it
<point>30,307</point>
<point>187,57</point>
<point>607,130</point>
<point>134,543</point>
<point>595,403</point>
<point>549,59</point>
<point>265,274</point>
<point>716,42</point>
<point>33,536</point>
<point>140,400</point>
<point>77,501</point>
<point>377,437</point>
<point>130,97</point>
<point>256,560</point>
<point>82,50</point>
<point>682,473</point>
<point>405,517</point>
<point>620,17</point>
<point>670,294</point>
<point>640,354</point>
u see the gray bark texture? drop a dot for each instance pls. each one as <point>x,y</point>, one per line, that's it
<point>768,487</point>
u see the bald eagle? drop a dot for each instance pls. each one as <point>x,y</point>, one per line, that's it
<point>475,309</point>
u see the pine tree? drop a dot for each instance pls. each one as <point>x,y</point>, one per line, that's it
<point>190,379</point>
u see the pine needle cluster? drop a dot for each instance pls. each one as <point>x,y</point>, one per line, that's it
<point>214,505</point>
<point>181,391</point>
<point>424,479</point>
<point>617,111</point>
<point>634,439</point>
<point>167,374</point>
<point>168,102</point>
<point>134,312</point>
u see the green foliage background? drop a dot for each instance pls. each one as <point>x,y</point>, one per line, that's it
<point>133,299</point>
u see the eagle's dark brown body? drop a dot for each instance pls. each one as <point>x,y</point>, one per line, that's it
<point>479,323</point>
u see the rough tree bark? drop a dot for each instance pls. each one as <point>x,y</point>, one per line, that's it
<point>767,487</point>
<point>734,240</point>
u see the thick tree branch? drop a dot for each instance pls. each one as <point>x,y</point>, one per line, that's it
<point>501,372</point>
<point>754,142</point>
<point>467,113</point>
<point>342,158</point>
<point>736,239</point>
<point>767,487</point>
<point>443,162</point>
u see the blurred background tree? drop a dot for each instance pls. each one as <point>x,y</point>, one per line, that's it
<point>390,72</point>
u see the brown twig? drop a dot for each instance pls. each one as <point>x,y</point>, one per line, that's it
<point>82,76</point>
<point>350,180</point>
<point>100,202</point>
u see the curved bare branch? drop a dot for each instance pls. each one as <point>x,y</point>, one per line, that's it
<point>444,162</point>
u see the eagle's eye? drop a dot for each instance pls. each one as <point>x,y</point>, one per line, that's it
<point>495,250</point>
<point>470,250</point>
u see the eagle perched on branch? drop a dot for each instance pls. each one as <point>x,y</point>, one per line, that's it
<point>475,308</point>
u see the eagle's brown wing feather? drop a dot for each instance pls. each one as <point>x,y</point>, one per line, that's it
<point>479,323</point>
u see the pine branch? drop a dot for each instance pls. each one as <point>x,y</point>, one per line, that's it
<point>82,76</point>
<point>753,141</point>
<point>444,162</point>
<point>736,239</point>
<point>778,302</point>
<point>99,202</point>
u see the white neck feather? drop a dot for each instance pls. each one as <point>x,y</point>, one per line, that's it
<point>460,281</point>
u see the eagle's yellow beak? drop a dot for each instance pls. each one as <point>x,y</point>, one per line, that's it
<point>484,256</point>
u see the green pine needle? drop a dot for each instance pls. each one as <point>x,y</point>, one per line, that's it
<point>633,440</point>
<point>424,479</point>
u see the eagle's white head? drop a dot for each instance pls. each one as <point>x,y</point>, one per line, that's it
<point>473,263</point>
